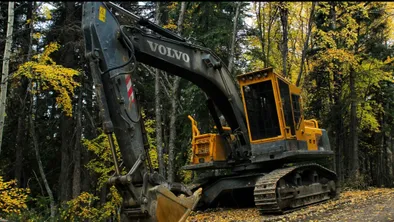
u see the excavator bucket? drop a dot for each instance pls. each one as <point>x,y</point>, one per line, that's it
<point>162,205</point>
<point>166,207</point>
<point>171,208</point>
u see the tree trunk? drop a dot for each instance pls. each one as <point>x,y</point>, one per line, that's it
<point>41,168</point>
<point>20,137</point>
<point>5,70</point>
<point>173,117</point>
<point>232,49</point>
<point>174,107</point>
<point>339,145</point>
<point>308,35</point>
<point>89,127</point>
<point>284,17</point>
<point>39,162</point>
<point>392,155</point>
<point>272,16</point>
<point>302,21</point>
<point>380,165</point>
<point>337,103</point>
<point>261,27</point>
<point>385,167</point>
<point>159,132</point>
<point>20,134</point>
<point>64,177</point>
<point>269,37</point>
<point>165,130</point>
<point>32,8</point>
<point>69,38</point>
<point>76,186</point>
<point>353,118</point>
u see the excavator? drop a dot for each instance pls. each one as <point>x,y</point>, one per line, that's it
<point>263,148</point>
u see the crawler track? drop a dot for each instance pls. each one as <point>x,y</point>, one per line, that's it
<point>286,189</point>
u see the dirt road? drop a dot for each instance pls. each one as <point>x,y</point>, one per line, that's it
<point>376,204</point>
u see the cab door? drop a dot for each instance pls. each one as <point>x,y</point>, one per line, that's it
<point>284,91</point>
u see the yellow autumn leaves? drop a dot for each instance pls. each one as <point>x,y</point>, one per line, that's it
<point>45,74</point>
<point>351,206</point>
<point>102,163</point>
<point>85,206</point>
<point>82,207</point>
<point>12,199</point>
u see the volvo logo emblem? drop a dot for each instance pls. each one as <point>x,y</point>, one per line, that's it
<point>167,51</point>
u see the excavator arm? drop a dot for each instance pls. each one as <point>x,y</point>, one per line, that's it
<point>113,51</point>
<point>167,51</point>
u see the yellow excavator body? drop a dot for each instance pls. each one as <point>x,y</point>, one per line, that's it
<point>266,127</point>
<point>206,147</point>
<point>209,147</point>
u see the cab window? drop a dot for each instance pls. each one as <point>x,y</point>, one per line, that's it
<point>286,104</point>
<point>296,108</point>
<point>262,111</point>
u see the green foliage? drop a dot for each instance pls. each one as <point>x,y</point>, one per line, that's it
<point>83,207</point>
<point>187,176</point>
<point>350,39</point>
<point>360,183</point>
<point>102,164</point>
<point>368,82</point>
<point>211,23</point>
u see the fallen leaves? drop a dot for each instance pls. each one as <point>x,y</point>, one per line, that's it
<point>353,205</point>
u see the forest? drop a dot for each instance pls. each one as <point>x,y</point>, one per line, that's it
<point>55,159</point>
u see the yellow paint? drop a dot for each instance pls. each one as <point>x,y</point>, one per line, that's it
<point>225,128</point>
<point>308,130</point>
<point>265,75</point>
<point>206,147</point>
<point>102,13</point>
<point>195,131</point>
<point>211,147</point>
<point>311,123</point>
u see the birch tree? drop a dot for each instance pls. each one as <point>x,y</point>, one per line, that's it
<point>272,15</point>
<point>261,29</point>
<point>284,18</point>
<point>5,70</point>
<point>231,59</point>
<point>308,35</point>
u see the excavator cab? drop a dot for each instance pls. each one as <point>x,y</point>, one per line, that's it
<point>275,121</point>
<point>276,124</point>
